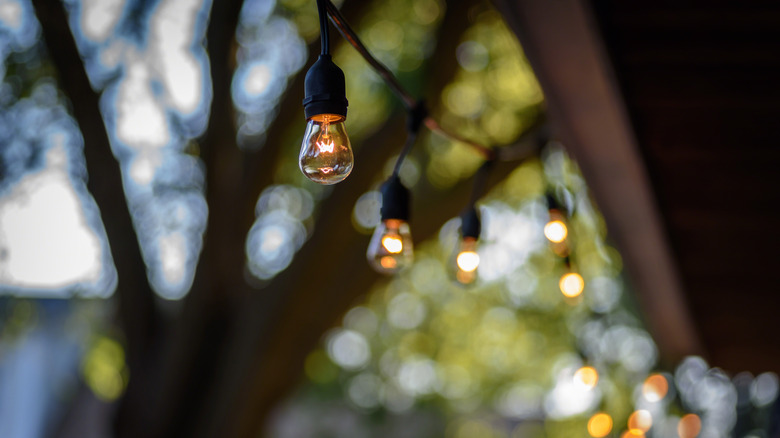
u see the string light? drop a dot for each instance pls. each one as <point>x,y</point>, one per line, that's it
<point>391,248</point>
<point>555,231</point>
<point>326,157</point>
<point>326,154</point>
<point>571,284</point>
<point>466,256</point>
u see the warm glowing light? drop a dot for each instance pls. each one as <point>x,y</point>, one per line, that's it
<point>468,261</point>
<point>556,231</point>
<point>632,434</point>
<point>586,377</point>
<point>689,426</point>
<point>572,284</point>
<point>393,244</point>
<point>640,422</point>
<point>326,155</point>
<point>388,262</point>
<point>600,425</point>
<point>326,144</point>
<point>390,248</point>
<point>655,388</point>
<point>465,260</point>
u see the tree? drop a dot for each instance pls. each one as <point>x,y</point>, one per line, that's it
<point>212,350</point>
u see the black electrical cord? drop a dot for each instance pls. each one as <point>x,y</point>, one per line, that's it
<point>516,151</point>
<point>417,116</point>
<point>346,31</point>
<point>324,31</point>
<point>480,180</point>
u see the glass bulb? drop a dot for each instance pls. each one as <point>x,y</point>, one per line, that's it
<point>326,155</point>
<point>555,231</point>
<point>390,249</point>
<point>466,260</point>
<point>571,284</point>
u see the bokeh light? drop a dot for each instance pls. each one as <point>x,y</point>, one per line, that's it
<point>639,422</point>
<point>600,425</point>
<point>689,426</point>
<point>655,387</point>
<point>104,369</point>
<point>468,261</point>
<point>587,377</point>
<point>571,284</point>
<point>556,231</point>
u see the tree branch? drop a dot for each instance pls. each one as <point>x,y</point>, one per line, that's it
<point>136,311</point>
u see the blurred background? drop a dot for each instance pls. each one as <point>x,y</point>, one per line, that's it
<point>166,269</point>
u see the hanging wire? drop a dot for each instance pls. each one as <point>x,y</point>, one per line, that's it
<point>511,152</point>
<point>480,181</point>
<point>415,119</point>
<point>410,139</point>
<point>346,31</point>
<point>324,31</point>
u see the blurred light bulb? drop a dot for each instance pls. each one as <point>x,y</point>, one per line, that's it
<point>466,260</point>
<point>390,248</point>
<point>326,155</point>
<point>600,425</point>
<point>571,284</point>
<point>556,231</point>
<point>655,388</point>
<point>586,378</point>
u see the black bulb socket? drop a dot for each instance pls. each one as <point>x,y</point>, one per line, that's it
<point>552,203</point>
<point>395,200</point>
<point>470,224</point>
<point>325,89</point>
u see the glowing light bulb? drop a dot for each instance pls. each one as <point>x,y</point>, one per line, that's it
<point>586,378</point>
<point>390,249</point>
<point>600,425</point>
<point>555,231</point>
<point>571,284</point>
<point>466,260</point>
<point>326,155</point>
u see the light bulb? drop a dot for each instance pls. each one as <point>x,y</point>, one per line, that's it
<point>556,231</point>
<point>390,249</point>
<point>326,155</point>
<point>571,284</point>
<point>466,260</point>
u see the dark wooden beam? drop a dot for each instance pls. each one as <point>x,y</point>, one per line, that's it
<point>587,111</point>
